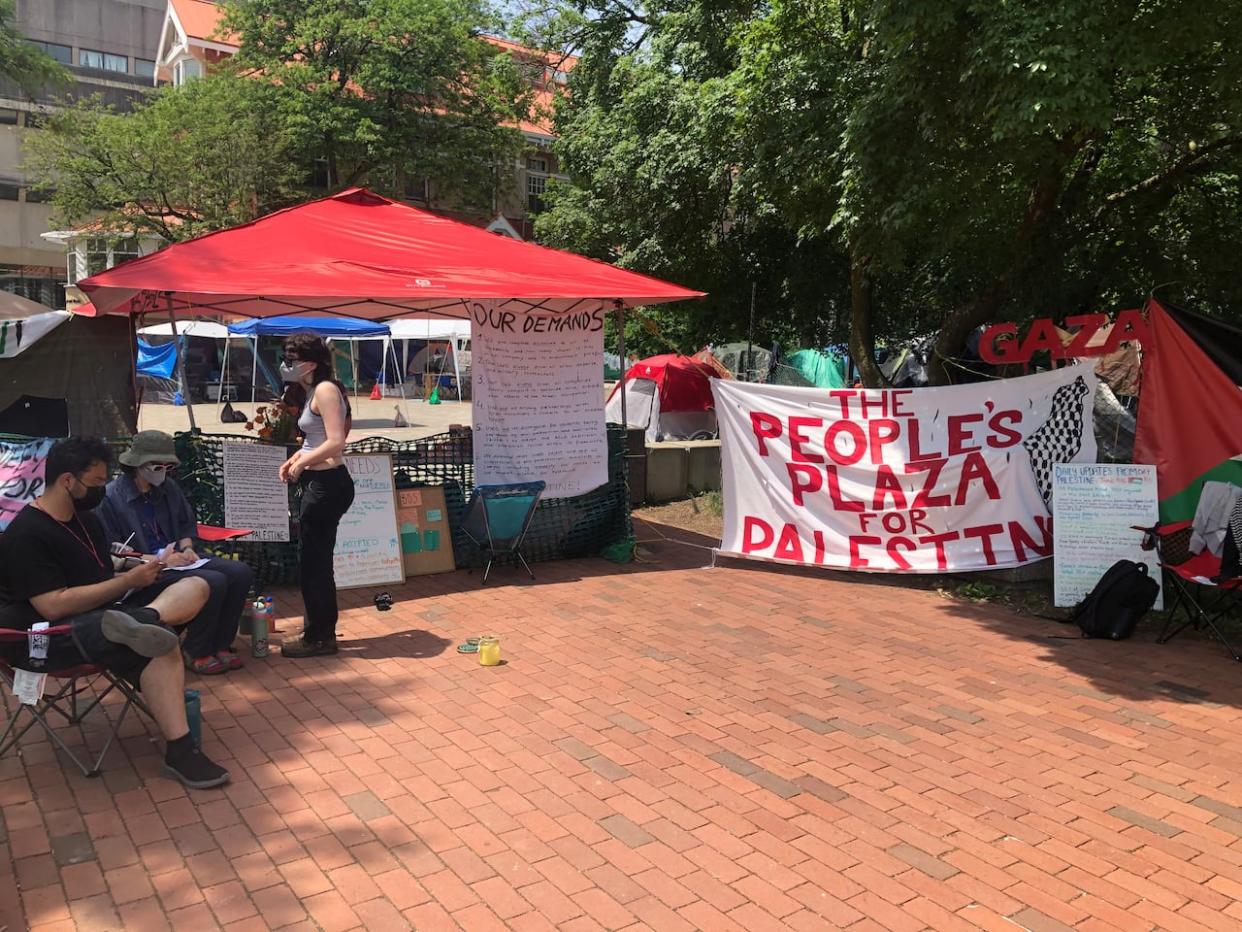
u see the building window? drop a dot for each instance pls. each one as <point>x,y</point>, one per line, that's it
<point>103,61</point>
<point>8,191</point>
<point>144,68</point>
<point>535,186</point>
<point>39,195</point>
<point>187,70</point>
<point>8,117</point>
<point>62,53</point>
<point>537,165</point>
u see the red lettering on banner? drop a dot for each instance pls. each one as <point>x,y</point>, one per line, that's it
<point>1001,435</point>
<point>985,533</point>
<point>942,561</point>
<point>887,486</point>
<point>1042,336</point>
<point>999,344</point>
<point>749,526</point>
<point>865,402</point>
<point>916,453</point>
<point>855,433</point>
<point>917,525</point>
<point>789,547</point>
<point>1089,325</point>
<point>797,439</point>
<point>765,427</point>
<point>880,432</point>
<point>976,468</point>
<point>1022,540</point>
<point>1131,325</point>
<point>895,555</point>
<point>834,492</point>
<point>843,395</point>
<point>960,434</point>
<point>818,537</point>
<point>803,478</point>
<point>924,498</point>
<point>899,395</point>
<point>857,561</point>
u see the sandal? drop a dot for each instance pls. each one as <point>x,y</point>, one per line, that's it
<point>230,658</point>
<point>206,666</point>
<point>471,646</point>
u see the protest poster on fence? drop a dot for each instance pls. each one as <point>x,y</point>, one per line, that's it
<point>1097,508</point>
<point>900,480</point>
<point>538,408</point>
<point>255,497</point>
<point>21,475</point>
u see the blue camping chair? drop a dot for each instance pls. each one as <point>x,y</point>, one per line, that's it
<point>497,518</point>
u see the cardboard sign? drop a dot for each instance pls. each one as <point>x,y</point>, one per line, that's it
<point>1000,344</point>
<point>426,539</point>
<point>1096,508</point>
<point>368,550</point>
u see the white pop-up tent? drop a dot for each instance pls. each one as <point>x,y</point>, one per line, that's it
<point>455,332</point>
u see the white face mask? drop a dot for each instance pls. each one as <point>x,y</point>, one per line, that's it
<point>153,476</point>
<point>298,372</point>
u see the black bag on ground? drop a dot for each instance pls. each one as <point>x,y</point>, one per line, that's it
<point>1124,594</point>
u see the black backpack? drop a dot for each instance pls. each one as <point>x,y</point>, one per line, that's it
<point>1124,594</point>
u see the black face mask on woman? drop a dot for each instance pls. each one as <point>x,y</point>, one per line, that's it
<point>91,500</point>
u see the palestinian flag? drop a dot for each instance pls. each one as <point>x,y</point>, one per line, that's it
<point>1190,406</point>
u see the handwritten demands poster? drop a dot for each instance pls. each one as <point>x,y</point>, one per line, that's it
<point>538,399</point>
<point>21,475</point>
<point>900,480</point>
<point>368,549</point>
<point>254,496</point>
<point>1096,508</point>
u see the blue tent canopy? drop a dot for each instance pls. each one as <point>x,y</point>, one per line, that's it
<point>157,361</point>
<point>340,327</point>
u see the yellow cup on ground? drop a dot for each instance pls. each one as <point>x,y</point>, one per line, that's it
<point>489,650</point>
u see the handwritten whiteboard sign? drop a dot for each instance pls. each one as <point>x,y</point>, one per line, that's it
<point>1095,508</point>
<point>538,400</point>
<point>368,549</point>
<point>254,496</point>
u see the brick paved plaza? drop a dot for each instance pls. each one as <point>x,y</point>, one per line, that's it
<point>667,747</point>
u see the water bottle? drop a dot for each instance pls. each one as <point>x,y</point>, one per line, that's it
<point>258,639</point>
<point>194,717</point>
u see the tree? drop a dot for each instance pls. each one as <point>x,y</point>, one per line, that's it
<point>30,68</point>
<point>388,88</point>
<point>191,159</point>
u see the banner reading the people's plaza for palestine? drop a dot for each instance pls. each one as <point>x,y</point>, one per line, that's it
<point>900,480</point>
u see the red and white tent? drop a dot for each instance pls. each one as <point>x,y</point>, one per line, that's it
<point>670,396</point>
<point>356,254</point>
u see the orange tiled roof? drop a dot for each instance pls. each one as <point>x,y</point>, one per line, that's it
<point>199,19</point>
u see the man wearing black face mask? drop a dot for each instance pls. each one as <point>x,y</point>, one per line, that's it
<point>56,566</point>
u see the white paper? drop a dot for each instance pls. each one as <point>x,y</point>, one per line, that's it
<point>189,566</point>
<point>1097,507</point>
<point>538,409</point>
<point>254,496</point>
<point>28,687</point>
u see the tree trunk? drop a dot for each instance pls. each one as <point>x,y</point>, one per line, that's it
<point>862,337</point>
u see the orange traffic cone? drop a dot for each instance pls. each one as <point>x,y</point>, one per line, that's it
<point>376,395</point>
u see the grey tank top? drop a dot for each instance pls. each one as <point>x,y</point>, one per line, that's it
<point>312,427</point>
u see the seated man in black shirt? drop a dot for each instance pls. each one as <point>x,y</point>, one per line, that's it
<point>58,567</point>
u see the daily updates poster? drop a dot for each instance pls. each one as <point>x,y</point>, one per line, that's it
<point>900,480</point>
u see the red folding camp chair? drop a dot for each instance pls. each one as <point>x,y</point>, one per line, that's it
<point>80,682</point>
<point>1197,583</point>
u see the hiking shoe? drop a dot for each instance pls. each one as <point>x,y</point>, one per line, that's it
<point>194,768</point>
<point>304,648</point>
<point>145,639</point>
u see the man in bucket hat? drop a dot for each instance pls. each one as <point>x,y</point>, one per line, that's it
<point>145,506</point>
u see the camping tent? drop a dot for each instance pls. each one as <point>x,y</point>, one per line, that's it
<point>454,332</point>
<point>670,396</point>
<point>813,368</point>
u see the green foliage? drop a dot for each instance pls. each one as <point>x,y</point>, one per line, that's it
<point>31,69</point>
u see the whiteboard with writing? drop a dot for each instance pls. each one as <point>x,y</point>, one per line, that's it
<point>254,495</point>
<point>1095,508</point>
<point>368,549</point>
<point>538,401</point>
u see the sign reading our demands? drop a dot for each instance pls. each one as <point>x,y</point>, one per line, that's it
<point>900,480</point>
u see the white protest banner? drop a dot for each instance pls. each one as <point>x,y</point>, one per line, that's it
<point>254,496</point>
<point>899,480</point>
<point>1096,508</point>
<point>368,550</point>
<point>21,475</point>
<point>538,408</point>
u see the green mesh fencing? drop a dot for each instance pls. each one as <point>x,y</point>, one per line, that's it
<point>562,527</point>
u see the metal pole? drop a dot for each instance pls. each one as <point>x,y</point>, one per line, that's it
<point>625,418</point>
<point>750,338</point>
<point>185,392</point>
<point>254,370</point>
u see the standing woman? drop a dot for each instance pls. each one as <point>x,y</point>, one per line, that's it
<point>327,488</point>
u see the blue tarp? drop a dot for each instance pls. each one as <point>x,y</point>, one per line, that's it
<point>157,361</point>
<point>346,327</point>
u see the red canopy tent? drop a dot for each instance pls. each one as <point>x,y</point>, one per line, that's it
<point>356,254</point>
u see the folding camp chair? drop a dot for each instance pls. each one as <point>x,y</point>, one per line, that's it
<point>1192,573</point>
<point>81,681</point>
<point>497,518</point>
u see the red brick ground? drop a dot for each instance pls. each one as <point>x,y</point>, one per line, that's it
<point>667,747</point>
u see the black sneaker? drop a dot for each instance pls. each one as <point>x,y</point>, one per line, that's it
<point>147,639</point>
<point>304,648</point>
<point>195,769</point>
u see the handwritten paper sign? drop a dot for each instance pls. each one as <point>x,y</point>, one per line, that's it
<point>254,496</point>
<point>1095,508</point>
<point>538,399</point>
<point>368,549</point>
<point>21,475</point>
